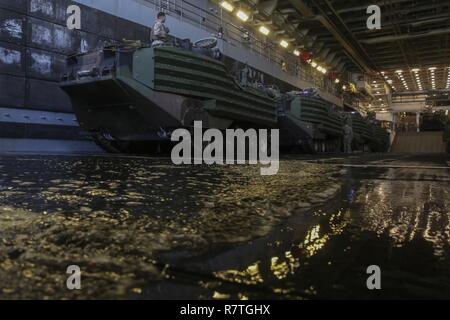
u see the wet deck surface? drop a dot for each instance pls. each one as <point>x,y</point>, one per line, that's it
<point>142,228</point>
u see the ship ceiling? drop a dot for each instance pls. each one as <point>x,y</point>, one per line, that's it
<point>414,34</point>
<point>410,54</point>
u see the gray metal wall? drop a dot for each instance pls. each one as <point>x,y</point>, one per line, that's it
<point>34,43</point>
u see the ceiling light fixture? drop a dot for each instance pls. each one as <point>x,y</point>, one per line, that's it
<point>284,43</point>
<point>264,30</point>
<point>242,15</point>
<point>227,6</point>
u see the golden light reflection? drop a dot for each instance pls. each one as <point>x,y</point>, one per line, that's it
<point>416,223</point>
<point>313,242</point>
<point>294,262</point>
<point>338,222</point>
<point>282,266</point>
<point>279,268</point>
<point>220,296</point>
<point>105,210</point>
<point>433,233</point>
<point>251,275</point>
<point>408,212</point>
<point>242,296</point>
<point>282,291</point>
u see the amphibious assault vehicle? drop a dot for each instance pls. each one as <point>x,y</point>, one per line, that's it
<point>312,119</point>
<point>131,97</point>
<point>368,133</point>
<point>319,125</point>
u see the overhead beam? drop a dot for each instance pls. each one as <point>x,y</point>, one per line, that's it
<point>306,11</point>
<point>406,36</point>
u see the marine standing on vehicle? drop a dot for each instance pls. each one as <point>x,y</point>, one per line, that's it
<point>160,31</point>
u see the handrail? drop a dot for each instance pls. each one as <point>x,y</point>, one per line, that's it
<point>233,35</point>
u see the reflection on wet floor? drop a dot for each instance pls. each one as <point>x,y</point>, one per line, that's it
<point>397,219</point>
<point>112,216</point>
<point>142,228</point>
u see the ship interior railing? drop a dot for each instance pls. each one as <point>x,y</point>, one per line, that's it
<point>240,36</point>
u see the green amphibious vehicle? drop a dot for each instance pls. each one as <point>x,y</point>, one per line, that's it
<point>319,125</point>
<point>314,116</point>
<point>130,97</point>
<point>368,133</point>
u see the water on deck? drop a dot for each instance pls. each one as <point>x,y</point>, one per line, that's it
<point>143,228</point>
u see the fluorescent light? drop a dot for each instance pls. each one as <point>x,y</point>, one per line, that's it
<point>323,70</point>
<point>227,6</point>
<point>415,70</point>
<point>296,52</point>
<point>242,15</point>
<point>264,30</point>
<point>399,71</point>
<point>337,80</point>
<point>284,43</point>
<point>432,68</point>
<point>313,64</point>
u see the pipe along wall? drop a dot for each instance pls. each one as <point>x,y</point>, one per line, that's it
<point>34,44</point>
